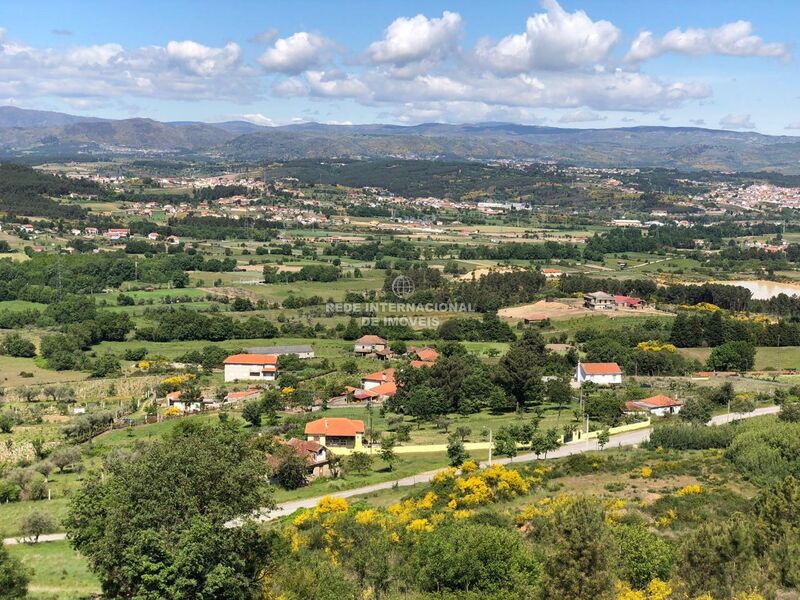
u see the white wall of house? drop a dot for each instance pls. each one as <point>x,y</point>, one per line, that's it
<point>665,410</point>
<point>610,379</point>
<point>235,372</point>
<point>368,384</point>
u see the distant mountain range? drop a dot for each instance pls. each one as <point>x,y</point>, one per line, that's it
<point>31,132</point>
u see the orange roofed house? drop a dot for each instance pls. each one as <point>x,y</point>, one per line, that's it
<point>599,373</point>
<point>655,405</point>
<point>251,367</point>
<point>336,432</point>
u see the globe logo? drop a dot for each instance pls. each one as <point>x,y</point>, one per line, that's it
<point>402,286</point>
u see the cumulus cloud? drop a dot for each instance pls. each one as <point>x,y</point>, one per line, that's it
<point>581,116</point>
<point>737,122</point>
<point>86,75</point>
<point>336,85</point>
<point>202,60</point>
<point>412,39</point>
<point>553,40</point>
<point>731,39</point>
<point>297,53</point>
<point>794,125</point>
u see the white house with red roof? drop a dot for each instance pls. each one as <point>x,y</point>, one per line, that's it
<point>251,367</point>
<point>599,373</point>
<point>658,405</point>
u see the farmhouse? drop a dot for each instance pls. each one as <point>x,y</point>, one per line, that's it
<point>599,373</point>
<point>374,380</point>
<point>628,302</point>
<point>551,273</point>
<point>599,300</point>
<point>370,344</point>
<point>425,353</point>
<point>659,405</point>
<point>315,456</point>
<point>251,367</point>
<point>336,432</point>
<point>174,399</point>
<point>301,350</point>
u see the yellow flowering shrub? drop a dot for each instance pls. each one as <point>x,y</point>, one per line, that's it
<point>419,526</point>
<point>545,507</point>
<point>172,411</point>
<point>329,504</point>
<point>473,491</point>
<point>444,476</point>
<point>469,466</point>
<point>667,519</point>
<point>689,490</point>
<point>655,590</point>
<point>177,381</point>
<point>655,346</point>
<point>646,472</point>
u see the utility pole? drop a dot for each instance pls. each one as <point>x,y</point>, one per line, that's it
<point>490,446</point>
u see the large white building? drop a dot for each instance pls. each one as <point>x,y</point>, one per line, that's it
<point>599,373</point>
<point>251,367</point>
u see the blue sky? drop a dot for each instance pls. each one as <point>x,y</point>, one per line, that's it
<point>591,63</point>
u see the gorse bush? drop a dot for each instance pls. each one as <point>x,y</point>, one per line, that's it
<point>684,436</point>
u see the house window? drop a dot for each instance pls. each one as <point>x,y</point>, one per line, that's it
<point>255,373</point>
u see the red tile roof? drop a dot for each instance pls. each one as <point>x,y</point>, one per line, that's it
<point>382,376</point>
<point>660,401</point>
<point>627,300</point>
<point>611,368</point>
<point>385,389</point>
<point>418,364</point>
<point>252,359</point>
<point>335,426</point>
<point>426,354</point>
<point>370,340</point>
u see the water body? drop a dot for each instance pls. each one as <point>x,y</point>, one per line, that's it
<point>764,290</point>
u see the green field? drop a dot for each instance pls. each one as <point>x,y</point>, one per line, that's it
<point>767,357</point>
<point>58,571</point>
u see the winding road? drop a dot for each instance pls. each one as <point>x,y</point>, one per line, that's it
<point>631,438</point>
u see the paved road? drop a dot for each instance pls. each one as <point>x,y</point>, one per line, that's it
<point>631,438</point>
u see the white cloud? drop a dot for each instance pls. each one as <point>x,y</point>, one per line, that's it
<point>553,40</point>
<point>412,39</point>
<point>581,116</point>
<point>462,112</point>
<point>202,60</point>
<point>698,122</point>
<point>85,75</point>
<point>94,56</point>
<point>795,125</point>
<point>336,85</point>
<point>258,119</point>
<point>297,53</point>
<point>737,122</point>
<point>731,39</point>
